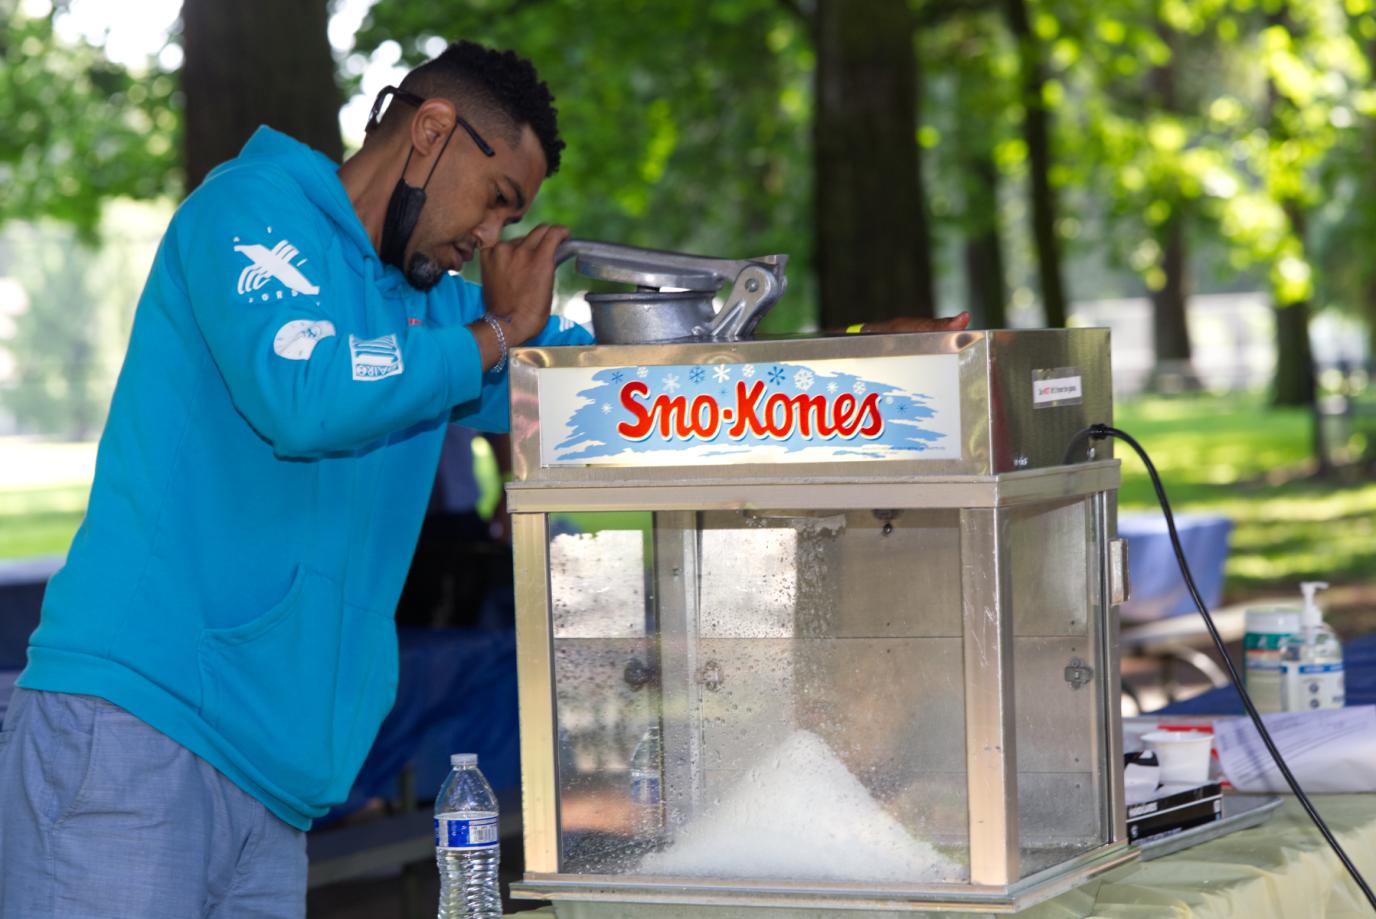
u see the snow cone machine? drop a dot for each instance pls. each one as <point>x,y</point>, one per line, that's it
<point>816,624</point>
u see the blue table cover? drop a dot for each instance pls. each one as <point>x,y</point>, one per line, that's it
<point>1158,590</point>
<point>1359,673</point>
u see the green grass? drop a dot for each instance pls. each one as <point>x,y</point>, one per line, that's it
<point>40,521</point>
<point>43,490</point>
<point>1238,457</point>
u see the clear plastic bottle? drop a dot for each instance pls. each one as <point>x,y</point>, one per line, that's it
<point>647,799</point>
<point>1268,628</point>
<point>1312,660</point>
<point>466,849</point>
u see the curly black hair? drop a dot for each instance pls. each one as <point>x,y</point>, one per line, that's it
<point>491,85</point>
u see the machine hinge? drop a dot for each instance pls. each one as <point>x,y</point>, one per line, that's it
<point>1078,673</point>
<point>1119,584</point>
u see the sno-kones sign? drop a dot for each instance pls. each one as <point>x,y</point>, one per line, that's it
<point>882,408</point>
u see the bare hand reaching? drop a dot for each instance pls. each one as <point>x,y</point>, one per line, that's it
<point>955,323</point>
<point>518,280</point>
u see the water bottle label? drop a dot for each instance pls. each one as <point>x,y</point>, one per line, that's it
<point>465,832</point>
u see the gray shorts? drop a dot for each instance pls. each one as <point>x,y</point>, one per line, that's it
<point>102,817</point>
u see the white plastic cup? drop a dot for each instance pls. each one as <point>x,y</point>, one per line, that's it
<point>1183,755</point>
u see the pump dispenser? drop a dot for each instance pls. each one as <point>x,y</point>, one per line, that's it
<point>1312,659</point>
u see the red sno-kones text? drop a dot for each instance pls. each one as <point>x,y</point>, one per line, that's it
<point>777,416</point>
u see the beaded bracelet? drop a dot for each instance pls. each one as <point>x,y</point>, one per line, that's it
<point>496,324</point>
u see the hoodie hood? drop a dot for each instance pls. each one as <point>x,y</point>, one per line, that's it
<point>318,177</point>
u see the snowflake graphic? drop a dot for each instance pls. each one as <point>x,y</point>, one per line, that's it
<point>888,400</point>
<point>618,376</point>
<point>606,408</point>
<point>804,379</point>
<point>722,373</point>
<point>642,372</point>
<point>748,370</point>
<point>696,374</point>
<point>831,387</point>
<point>776,376</point>
<point>859,387</point>
<point>671,383</point>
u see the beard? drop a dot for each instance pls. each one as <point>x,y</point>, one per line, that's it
<point>423,272</point>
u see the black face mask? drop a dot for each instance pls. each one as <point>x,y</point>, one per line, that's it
<point>403,213</point>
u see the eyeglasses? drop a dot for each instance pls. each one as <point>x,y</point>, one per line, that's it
<point>410,98</point>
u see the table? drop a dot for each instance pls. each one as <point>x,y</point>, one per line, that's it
<point>1279,870</point>
<point>1359,666</point>
<point>1182,640</point>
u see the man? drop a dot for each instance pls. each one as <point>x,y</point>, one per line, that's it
<point>214,660</point>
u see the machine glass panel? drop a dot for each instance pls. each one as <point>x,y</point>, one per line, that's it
<point>761,694</point>
<point>1054,552</point>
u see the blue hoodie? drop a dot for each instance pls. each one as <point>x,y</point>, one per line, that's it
<point>261,482</point>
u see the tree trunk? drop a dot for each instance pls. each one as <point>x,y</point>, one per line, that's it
<point>873,253</point>
<point>983,247</point>
<point>1294,381</point>
<point>1294,361</point>
<point>253,62</point>
<point>984,271</point>
<point>1173,371</point>
<point>1037,134</point>
<point>1370,179</point>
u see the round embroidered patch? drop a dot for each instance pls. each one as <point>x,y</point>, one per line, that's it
<point>297,339</point>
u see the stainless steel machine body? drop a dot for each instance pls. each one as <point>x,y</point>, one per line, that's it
<point>815,625</point>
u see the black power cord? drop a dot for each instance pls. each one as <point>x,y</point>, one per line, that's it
<point>1101,431</point>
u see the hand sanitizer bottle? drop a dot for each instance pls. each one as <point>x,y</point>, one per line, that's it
<point>1312,660</point>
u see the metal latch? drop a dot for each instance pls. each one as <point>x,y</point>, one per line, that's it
<point>1078,673</point>
<point>1119,584</point>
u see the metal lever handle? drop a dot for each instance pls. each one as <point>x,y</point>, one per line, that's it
<point>656,268</point>
<point>755,291</point>
<point>756,284</point>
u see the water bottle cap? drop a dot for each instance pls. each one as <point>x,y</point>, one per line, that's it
<point>462,760</point>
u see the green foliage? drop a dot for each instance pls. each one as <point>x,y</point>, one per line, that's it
<point>971,72</point>
<point>79,130</point>
<point>687,123</point>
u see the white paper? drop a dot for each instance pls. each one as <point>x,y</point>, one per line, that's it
<point>1327,750</point>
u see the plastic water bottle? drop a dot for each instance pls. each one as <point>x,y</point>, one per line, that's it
<point>466,849</point>
<point>647,800</point>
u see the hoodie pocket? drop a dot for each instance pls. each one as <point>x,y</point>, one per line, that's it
<point>299,692</point>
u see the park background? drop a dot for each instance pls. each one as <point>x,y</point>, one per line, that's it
<point>1195,174</point>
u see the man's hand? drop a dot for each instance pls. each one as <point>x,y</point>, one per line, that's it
<point>914,324</point>
<point>518,281</point>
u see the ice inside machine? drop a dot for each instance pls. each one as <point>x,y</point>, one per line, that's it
<point>814,625</point>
